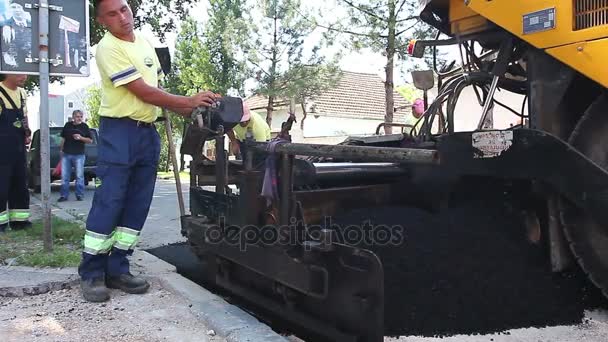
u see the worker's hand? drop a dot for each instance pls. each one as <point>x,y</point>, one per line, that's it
<point>76,136</point>
<point>203,99</point>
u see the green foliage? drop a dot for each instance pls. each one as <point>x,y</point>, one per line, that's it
<point>93,103</point>
<point>277,55</point>
<point>226,36</point>
<point>26,246</point>
<point>161,15</point>
<point>191,62</point>
<point>384,26</point>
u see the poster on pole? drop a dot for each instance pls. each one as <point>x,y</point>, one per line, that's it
<point>69,53</point>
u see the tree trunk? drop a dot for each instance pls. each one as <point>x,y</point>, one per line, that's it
<point>390,55</point>
<point>303,115</point>
<point>273,70</point>
<point>269,110</point>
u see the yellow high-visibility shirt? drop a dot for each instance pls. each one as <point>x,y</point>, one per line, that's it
<point>259,128</point>
<point>121,62</point>
<point>16,96</point>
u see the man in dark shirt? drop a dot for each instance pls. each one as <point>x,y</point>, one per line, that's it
<point>75,134</point>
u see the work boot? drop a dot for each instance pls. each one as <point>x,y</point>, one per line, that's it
<point>94,290</point>
<point>21,225</point>
<point>128,283</point>
<point>62,199</point>
<point>79,198</point>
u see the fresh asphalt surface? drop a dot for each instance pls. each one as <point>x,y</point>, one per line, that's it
<point>163,228</point>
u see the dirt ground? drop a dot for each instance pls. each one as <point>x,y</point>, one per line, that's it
<point>65,316</point>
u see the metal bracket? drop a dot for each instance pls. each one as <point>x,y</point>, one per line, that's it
<point>50,7</point>
<point>31,60</point>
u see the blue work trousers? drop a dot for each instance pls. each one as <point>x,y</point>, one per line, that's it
<point>128,154</point>
<point>77,162</point>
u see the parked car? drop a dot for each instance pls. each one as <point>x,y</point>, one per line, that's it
<point>33,158</point>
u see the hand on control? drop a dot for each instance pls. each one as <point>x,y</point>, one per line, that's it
<point>203,99</point>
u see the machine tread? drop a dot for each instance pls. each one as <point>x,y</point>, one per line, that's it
<point>586,124</point>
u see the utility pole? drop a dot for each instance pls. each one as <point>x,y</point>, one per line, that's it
<point>45,161</point>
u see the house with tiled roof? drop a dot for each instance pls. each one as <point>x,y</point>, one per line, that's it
<point>355,106</point>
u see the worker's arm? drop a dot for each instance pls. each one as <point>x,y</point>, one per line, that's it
<point>158,97</point>
<point>234,144</point>
<point>117,65</point>
<point>182,111</point>
<point>61,146</point>
<point>86,137</point>
<point>83,139</point>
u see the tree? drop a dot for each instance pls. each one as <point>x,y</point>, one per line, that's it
<point>93,103</point>
<point>161,15</point>
<point>384,26</point>
<point>191,62</point>
<point>279,63</point>
<point>226,36</point>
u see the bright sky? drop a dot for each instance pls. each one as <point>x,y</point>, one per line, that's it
<point>363,61</point>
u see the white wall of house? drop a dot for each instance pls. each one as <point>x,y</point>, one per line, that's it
<point>73,101</point>
<point>322,129</point>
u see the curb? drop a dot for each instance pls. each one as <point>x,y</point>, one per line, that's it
<point>56,210</point>
<point>225,319</point>
<point>71,280</point>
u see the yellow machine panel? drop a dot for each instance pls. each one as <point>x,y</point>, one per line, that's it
<point>509,14</point>
<point>570,30</point>
<point>588,58</point>
<point>464,20</point>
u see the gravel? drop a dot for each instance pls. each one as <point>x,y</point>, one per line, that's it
<point>64,315</point>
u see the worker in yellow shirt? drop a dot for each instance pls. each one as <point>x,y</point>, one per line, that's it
<point>14,136</point>
<point>128,150</point>
<point>250,122</point>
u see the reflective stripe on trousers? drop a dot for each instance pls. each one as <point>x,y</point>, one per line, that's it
<point>4,217</point>
<point>19,215</point>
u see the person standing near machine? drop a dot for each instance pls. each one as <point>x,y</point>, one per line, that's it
<point>128,150</point>
<point>14,136</point>
<point>252,125</point>
<point>75,135</point>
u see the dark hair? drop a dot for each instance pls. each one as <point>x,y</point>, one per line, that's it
<point>77,111</point>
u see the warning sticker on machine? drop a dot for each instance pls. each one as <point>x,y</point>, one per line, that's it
<point>539,21</point>
<point>490,144</point>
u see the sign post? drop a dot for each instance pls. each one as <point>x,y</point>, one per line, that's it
<point>46,39</point>
<point>45,168</point>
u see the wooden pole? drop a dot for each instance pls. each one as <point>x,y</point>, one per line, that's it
<point>178,183</point>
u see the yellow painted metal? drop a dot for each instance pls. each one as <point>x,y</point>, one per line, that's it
<point>508,14</point>
<point>464,20</point>
<point>589,58</point>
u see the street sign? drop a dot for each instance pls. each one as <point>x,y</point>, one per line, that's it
<point>68,37</point>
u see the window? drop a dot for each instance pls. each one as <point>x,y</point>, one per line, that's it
<point>70,104</point>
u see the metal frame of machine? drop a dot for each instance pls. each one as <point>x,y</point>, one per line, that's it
<point>276,253</point>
